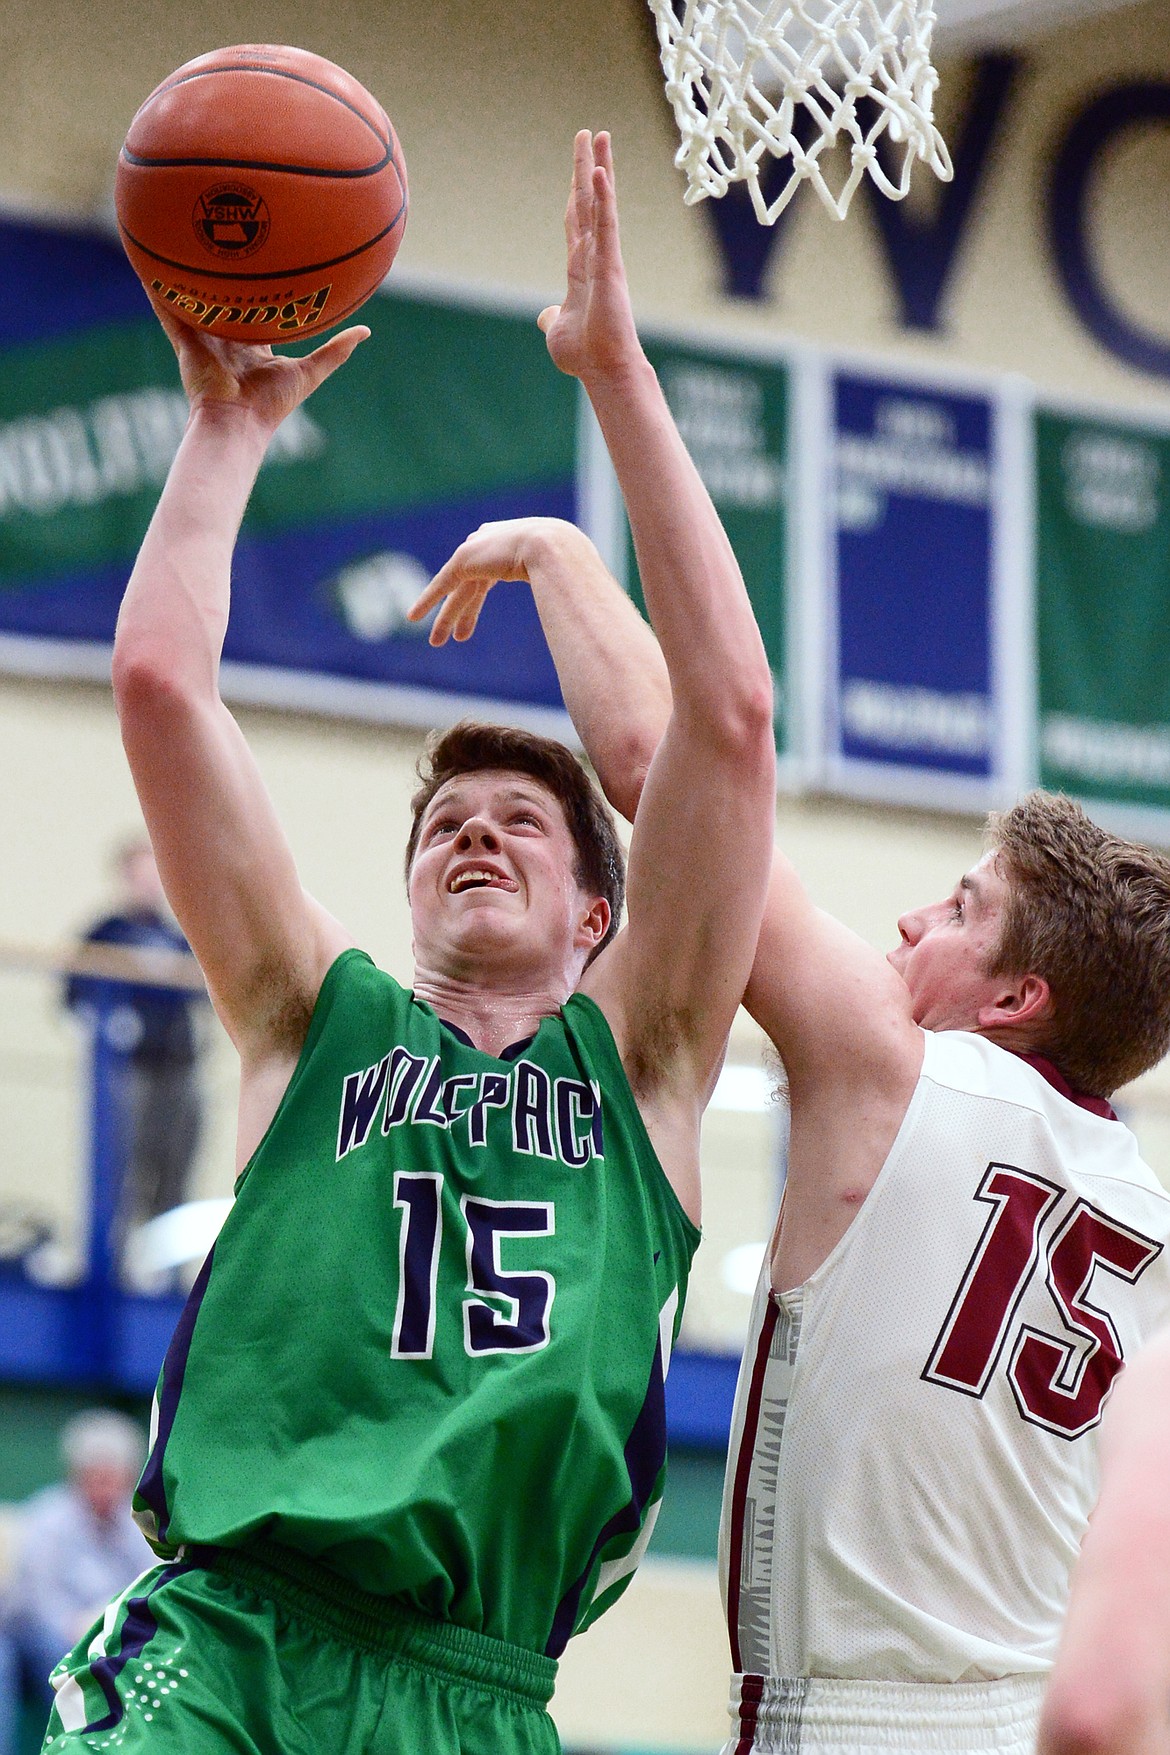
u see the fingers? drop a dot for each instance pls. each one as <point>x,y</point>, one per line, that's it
<point>459,614</point>
<point>444,581</point>
<point>462,584</point>
<point>465,614</point>
<point>605,209</point>
<point>582,197</point>
<point>459,590</point>
<point>324,360</point>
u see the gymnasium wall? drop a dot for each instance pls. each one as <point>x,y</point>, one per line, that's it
<point>486,99</point>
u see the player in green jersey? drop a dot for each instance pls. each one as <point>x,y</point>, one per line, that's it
<point>410,1432</point>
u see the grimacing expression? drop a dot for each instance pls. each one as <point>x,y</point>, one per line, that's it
<point>945,949</point>
<point>494,873</point>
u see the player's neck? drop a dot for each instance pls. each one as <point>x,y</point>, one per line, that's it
<point>493,1018</point>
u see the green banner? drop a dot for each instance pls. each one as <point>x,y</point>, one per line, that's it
<point>1103,606</point>
<point>441,404</point>
<point>732,412</point>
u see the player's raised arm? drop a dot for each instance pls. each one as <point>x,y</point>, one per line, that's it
<point>227,868</point>
<point>703,831</point>
<point>609,665</point>
<point>827,999</point>
<point>1109,1693</point>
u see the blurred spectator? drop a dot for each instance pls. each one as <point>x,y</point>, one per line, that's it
<point>77,1547</point>
<point>154,1034</point>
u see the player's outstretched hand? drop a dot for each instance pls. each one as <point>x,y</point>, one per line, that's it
<point>592,332</point>
<point>247,374</point>
<point>507,549</point>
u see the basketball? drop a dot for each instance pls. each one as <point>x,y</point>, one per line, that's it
<point>261,193</point>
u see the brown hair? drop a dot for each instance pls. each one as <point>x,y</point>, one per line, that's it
<point>469,748</point>
<point>1090,913</point>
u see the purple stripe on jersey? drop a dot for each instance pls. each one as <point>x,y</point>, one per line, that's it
<point>743,1468</point>
<point>751,1692</point>
<point>150,1488</point>
<point>138,1629</point>
<point>645,1453</point>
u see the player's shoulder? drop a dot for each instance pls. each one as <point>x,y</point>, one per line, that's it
<point>1097,1145</point>
<point>354,994</point>
<point>355,968</point>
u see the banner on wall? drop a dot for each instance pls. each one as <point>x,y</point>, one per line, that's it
<point>733,414</point>
<point>446,416</point>
<point>911,709</point>
<point>1103,609</point>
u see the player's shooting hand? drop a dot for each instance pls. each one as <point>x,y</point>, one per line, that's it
<point>248,375</point>
<point>511,548</point>
<point>592,332</point>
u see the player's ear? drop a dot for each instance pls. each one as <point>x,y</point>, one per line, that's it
<point>1027,999</point>
<point>594,923</point>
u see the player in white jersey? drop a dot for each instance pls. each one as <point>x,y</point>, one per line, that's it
<point>1109,1693</point>
<point>969,1244</point>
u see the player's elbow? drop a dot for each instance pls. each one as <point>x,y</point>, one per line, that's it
<point>747,719</point>
<point>150,679</point>
<point>631,764</point>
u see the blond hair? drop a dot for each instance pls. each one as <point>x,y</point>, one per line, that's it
<point>1090,913</point>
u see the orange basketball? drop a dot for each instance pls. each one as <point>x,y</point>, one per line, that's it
<point>261,193</point>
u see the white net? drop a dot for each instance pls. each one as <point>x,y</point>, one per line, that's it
<point>754,81</point>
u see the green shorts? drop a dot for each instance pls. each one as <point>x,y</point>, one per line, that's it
<point>262,1652</point>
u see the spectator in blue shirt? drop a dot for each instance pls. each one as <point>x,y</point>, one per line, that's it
<point>155,1035</point>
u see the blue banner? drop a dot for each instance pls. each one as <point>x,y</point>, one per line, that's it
<point>913,537</point>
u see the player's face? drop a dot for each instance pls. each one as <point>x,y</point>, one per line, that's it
<point>945,947</point>
<point>492,885</point>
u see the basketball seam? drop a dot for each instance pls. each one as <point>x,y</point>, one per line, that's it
<point>252,164</point>
<point>271,273</point>
<point>275,73</point>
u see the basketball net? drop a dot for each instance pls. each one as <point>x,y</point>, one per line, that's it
<point>756,80</point>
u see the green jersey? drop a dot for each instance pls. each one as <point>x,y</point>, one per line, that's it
<point>429,1346</point>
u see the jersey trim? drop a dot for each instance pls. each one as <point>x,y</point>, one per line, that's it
<point>743,1469</point>
<point>1083,1099</point>
<point>135,1634</point>
<point>645,1459</point>
<point>151,1488</point>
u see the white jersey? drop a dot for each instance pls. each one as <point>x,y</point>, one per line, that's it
<point>914,1454</point>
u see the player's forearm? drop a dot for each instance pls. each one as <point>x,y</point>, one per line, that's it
<point>694,591</point>
<point>175,611</point>
<point>609,664</point>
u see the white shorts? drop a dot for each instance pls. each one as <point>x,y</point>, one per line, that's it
<point>775,1716</point>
